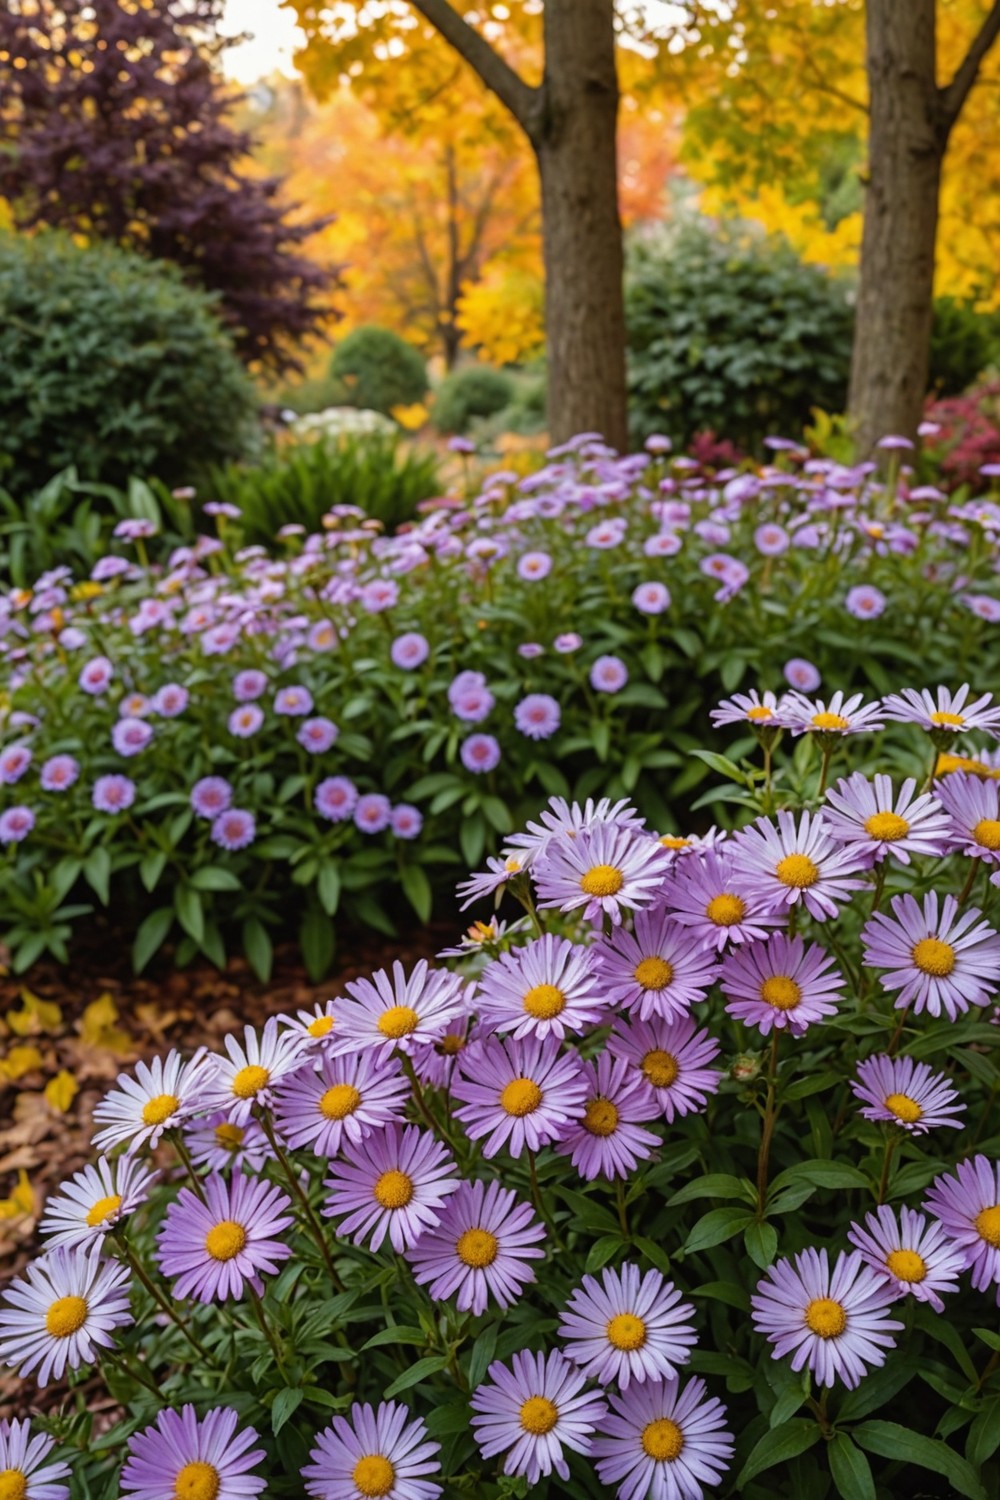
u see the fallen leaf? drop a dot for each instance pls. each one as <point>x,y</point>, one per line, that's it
<point>35,1015</point>
<point>61,1090</point>
<point>21,1200</point>
<point>97,1026</point>
<point>20,1060</point>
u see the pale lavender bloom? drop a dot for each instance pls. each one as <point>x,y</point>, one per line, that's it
<point>91,1202</point>
<point>480,753</point>
<point>658,969</point>
<point>533,1410</point>
<point>131,736</point>
<point>834,1321</point>
<point>245,721</point>
<point>14,761</point>
<point>662,544</point>
<point>383,1454</point>
<point>470,698</point>
<point>217,1245</point>
<point>913,1253</point>
<point>609,674</point>
<point>874,818</point>
<point>948,712</point>
<point>967,1205</point>
<point>972,806</point>
<point>322,636</point>
<point>317,735</point>
<point>761,711</point>
<point>107,568</point>
<point>210,796</point>
<point>335,798</point>
<point>58,773</point>
<point>518,1094</point>
<point>771,540</point>
<point>794,864</point>
<point>391,1185</point>
<point>171,700</point>
<point>293,701</point>
<point>398,1011</point>
<point>651,598</point>
<point>865,602</point>
<point>406,821</point>
<point>23,1459</point>
<point>782,982</point>
<point>134,527</point>
<point>545,988</point>
<point>62,1312</point>
<point>112,794</point>
<point>663,1441</point>
<point>343,1098</point>
<point>939,963</point>
<point>248,1074</point>
<point>842,715</point>
<point>604,869</point>
<point>249,684</point>
<point>530,649</point>
<point>802,674</point>
<point>567,643</point>
<point>534,565</point>
<point>607,1139</point>
<point>72,639</point>
<point>234,829</point>
<point>409,651</point>
<point>709,896</point>
<point>372,812</point>
<point>480,1249</point>
<point>670,1058</point>
<point>538,716</point>
<point>15,824</point>
<point>899,1091</point>
<point>215,1142</point>
<point>95,675</point>
<point>561,818</point>
<point>627,1327</point>
<point>135,706</point>
<point>730,573</point>
<point>491,880</point>
<point>606,534</point>
<point>161,1095</point>
<point>983,605</point>
<point>381,594</point>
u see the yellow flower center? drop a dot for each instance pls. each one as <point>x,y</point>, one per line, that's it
<point>66,1316</point>
<point>988,1225</point>
<point>627,1332</point>
<point>887,827</point>
<point>602,880</point>
<point>953,721</point>
<point>13,1484</point>
<point>230,1137</point>
<point>781,991</point>
<point>760,712</point>
<point>654,973</point>
<point>906,1265</point>
<point>830,721</point>
<point>543,1001</point>
<point>449,1045</point>
<point>826,1317</point>
<point>197,1481</point>
<point>662,1440</point>
<point>394,1189</point>
<point>521,1096</point>
<point>932,956</point>
<point>397,1021</point>
<point>477,1247</point>
<point>660,1068</point>
<point>155,1111</point>
<point>904,1108</point>
<point>374,1475</point>
<point>339,1101</point>
<point>225,1241</point>
<point>987,833</point>
<point>600,1117</point>
<point>103,1209</point>
<point>539,1415</point>
<point>249,1081</point>
<point>725,910</point>
<point>512,865</point>
<point>670,841</point>
<point>797,870</point>
<point>322,1026</point>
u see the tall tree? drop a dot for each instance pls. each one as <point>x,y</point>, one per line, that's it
<point>115,124</point>
<point>569,116</point>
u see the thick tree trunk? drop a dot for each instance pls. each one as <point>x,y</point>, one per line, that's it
<point>574,141</point>
<point>907,138</point>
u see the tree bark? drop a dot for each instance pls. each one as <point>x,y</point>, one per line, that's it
<point>575,144</point>
<point>907,140</point>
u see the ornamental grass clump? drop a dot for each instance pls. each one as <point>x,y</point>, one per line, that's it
<point>659,1186</point>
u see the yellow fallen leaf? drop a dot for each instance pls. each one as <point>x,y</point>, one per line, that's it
<point>61,1090</point>
<point>36,1015</point>
<point>21,1200</point>
<point>20,1060</point>
<point>98,1029</point>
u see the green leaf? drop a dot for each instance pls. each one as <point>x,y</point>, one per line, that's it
<point>714,1227</point>
<point>777,1446</point>
<point>984,1434</point>
<point>328,886</point>
<point>97,873</point>
<point>851,1471</point>
<point>284,1404</point>
<point>399,1333</point>
<point>258,949</point>
<point>215,878</point>
<point>712,1185</point>
<point>316,942</point>
<point>724,1291</point>
<point>151,868</point>
<point>472,840</point>
<point>826,1174</point>
<point>603,1250</point>
<point>429,1365</point>
<point>601,734</point>
<point>761,1241</point>
<point>418,890</point>
<point>150,936</point>
<point>890,1440</point>
<point>722,764</point>
<point>190,912</point>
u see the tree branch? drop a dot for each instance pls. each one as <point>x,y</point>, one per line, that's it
<point>510,88</point>
<point>952,98</point>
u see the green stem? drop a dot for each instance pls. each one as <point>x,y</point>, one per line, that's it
<point>894,1043</point>
<point>118,1359</point>
<point>622,1210</point>
<point>883,1183</point>
<point>768,1124</point>
<point>314,1225</point>
<point>164,1305</point>
<point>969,882</point>
<point>266,1328</point>
<point>177,1140</point>
<point>420,1100</point>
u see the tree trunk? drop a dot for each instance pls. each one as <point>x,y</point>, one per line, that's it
<point>906,143</point>
<point>574,141</point>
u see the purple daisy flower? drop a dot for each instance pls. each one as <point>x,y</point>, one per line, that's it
<point>972,807</point>
<point>94,1200</point>
<point>383,1453</point>
<point>841,716</point>
<point>875,820</point>
<point>835,1321</point>
<point>345,1098</point>
<point>24,1466</point>
<point>380,594</point>
<point>317,735</point>
<point>561,819</point>
<point>865,602</point>
<point>335,798</point>
<point>537,716</point>
<point>406,821</point>
<point>783,983</point>
<point>480,1249</point>
<point>938,962</point>
<point>663,1441</point>
<point>389,1012</point>
<point>293,702</point>
<point>967,1204</point>
<point>546,988</point>
<point>215,1247</point>
<point>372,812</point>
<point>913,1253</point>
<point>534,1410</point>
<point>246,720</point>
<point>15,824</point>
<point>164,1093</point>
<point>171,700</point>
<point>604,869</point>
<point>480,753</point>
<point>95,676</point>
<point>213,1141</point>
<point>234,829</point>
<point>948,712</point>
<point>62,1312</point>
<point>670,1057</point>
<point>470,698</point>
<point>709,897</point>
<point>14,761</point>
<point>392,1184</point>
<point>771,539</point>
<point>651,598</point>
<point>801,674</point>
<point>902,1092</point>
<point>760,710</point>
<point>788,864</point>
<point>609,674</point>
<point>182,1454</point>
<point>532,566</point>
<point>248,1075</point>
<point>130,736</point>
<point>607,1138</point>
<point>463,1037</point>
<point>567,643</point>
<point>58,773</point>
<point>658,969</point>
<point>633,1327</point>
<point>492,880</point>
<point>409,651</point>
<point>249,684</point>
<point>519,1094</point>
<point>113,794</point>
<point>211,796</point>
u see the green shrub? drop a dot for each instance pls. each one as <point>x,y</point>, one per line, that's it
<point>964,343</point>
<point>298,485</point>
<point>113,366</point>
<point>731,333</point>
<point>379,370</point>
<point>464,395</point>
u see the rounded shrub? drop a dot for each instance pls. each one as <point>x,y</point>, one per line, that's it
<point>114,365</point>
<point>379,370</point>
<point>464,395</point>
